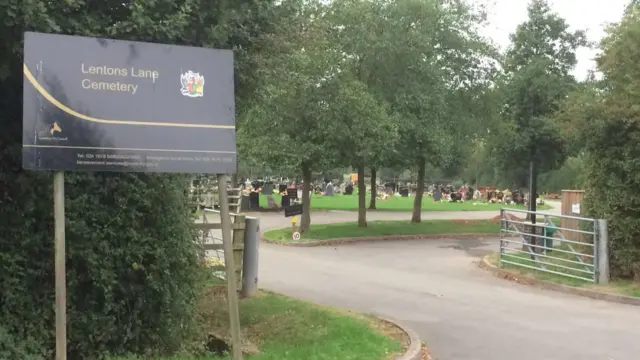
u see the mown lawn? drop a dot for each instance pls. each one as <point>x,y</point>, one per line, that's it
<point>386,228</point>
<point>282,328</point>
<point>394,203</point>
<point>621,287</point>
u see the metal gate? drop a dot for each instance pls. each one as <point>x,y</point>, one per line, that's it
<point>568,246</point>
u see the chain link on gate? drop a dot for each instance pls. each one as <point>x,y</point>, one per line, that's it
<point>559,244</point>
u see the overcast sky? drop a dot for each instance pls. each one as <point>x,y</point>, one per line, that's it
<point>589,15</point>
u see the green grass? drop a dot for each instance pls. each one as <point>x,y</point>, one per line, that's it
<point>284,328</point>
<point>385,228</point>
<point>394,203</point>
<point>621,287</point>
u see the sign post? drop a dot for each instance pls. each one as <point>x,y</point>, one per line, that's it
<point>60,266</point>
<point>230,266</point>
<point>92,104</point>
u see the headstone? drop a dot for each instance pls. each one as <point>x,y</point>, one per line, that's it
<point>292,193</point>
<point>329,190</point>
<point>518,198</point>
<point>404,192</point>
<point>254,200</point>
<point>437,195</point>
<point>245,203</point>
<point>469,194</point>
<point>348,190</point>
<point>285,201</point>
<point>267,188</point>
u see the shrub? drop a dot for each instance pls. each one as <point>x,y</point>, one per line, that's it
<point>132,272</point>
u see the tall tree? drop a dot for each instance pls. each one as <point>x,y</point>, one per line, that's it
<point>606,119</point>
<point>366,130</point>
<point>435,68</point>
<point>290,120</point>
<point>537,76</point>
<point>356,30</point>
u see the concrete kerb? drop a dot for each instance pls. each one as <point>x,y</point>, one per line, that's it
<point>367,239</point>
<point>592,294</point>
<point>414,350</point>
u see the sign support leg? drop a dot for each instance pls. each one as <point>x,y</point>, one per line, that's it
<point>232,293</point>
<point>60,266</point>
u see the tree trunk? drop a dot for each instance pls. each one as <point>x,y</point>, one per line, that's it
<point>362,197</point>
<point>305,222</point>
<point>417,203</point>
<point>374,190</point>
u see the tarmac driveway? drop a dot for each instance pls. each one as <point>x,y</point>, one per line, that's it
<point>462,312</point>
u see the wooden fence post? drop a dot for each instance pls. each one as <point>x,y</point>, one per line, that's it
<point>238,247</point>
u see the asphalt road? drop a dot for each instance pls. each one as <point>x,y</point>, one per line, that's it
<point>435,287</point>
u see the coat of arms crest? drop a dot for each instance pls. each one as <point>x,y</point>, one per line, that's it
<point>192,84</point>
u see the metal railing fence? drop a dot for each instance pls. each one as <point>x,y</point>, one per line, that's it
<point>562,245</point>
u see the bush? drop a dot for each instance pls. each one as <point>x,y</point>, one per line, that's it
<point>605,118</point>
<point>132,272</point>
<point>611,193</point>
<point>25,349</point>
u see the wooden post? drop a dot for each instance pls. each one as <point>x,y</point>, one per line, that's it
<point>572,201</point>
<point>229,262</point>
<point>238,243</point>
<point>60,266</point>
<point>294,220</point>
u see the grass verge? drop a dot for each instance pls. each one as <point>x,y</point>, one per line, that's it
<point>619,287</point>
<point>387,228</point>
<point>394,203</point>
<point>276,327</point>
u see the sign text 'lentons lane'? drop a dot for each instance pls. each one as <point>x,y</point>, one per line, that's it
<point>109,105</point>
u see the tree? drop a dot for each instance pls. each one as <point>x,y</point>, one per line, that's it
<point>536,77</point>
<point>366,129</point>
<point>370,128</point>
<point>606,119</point>
<point>433,66</point>
<point>290,120</point>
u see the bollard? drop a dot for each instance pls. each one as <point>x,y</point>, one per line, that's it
<point>250,257</point>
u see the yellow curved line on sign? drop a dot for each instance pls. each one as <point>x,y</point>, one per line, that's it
<point>72,112</point>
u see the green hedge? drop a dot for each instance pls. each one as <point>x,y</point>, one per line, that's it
<point>132,272</point>
<point>611,193</point>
